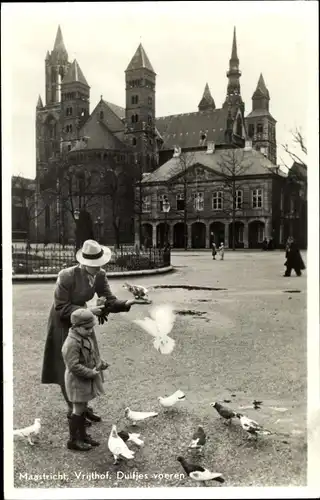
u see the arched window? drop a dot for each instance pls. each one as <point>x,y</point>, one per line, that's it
<point>239,126</point>
<point>136,118</point>
<point>101,115</point>
<point>251,130</point>
<point>134,141</point>
<point>259,128</point>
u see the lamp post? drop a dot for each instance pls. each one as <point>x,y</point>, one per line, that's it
<point>166,208</point>
<point>76,215</point>
<point>99,224</point>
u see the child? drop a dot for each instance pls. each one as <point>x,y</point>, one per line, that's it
<point>221,251</point>
<point>214,251</point>
<point>83,377</point>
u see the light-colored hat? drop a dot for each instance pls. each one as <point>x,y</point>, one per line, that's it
<point>82,317</point>
<point>92,254</point>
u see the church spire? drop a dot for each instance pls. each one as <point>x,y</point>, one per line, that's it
<point>261,96</point>
<point>233,98</point>
<point>59,49</point>
<point>261,89</point>
<point>39,102</point>
<point>207,101</point>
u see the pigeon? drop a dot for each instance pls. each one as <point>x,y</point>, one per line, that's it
<point>159,325</point>
<point>199,473</point>
<point>224,412</point>
<point>168,401</point>
<point>29,432</point>
<point>136,416</point>
<point>118,447</point>
<point>138,291</point>
<point>252,427</point>
<point>198,439</point>
<point>134,438</point>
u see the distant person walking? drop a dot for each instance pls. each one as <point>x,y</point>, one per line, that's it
<point>293,258</point>
<point>221,251</point>
<point>214,250</point>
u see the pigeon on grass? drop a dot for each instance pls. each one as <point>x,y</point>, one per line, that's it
<point>252,427</point>
<point>138,416</point>
<point>199,473</point>
<point>159,325</point>
<point>167,402</point>
<point>198,439</point>
<point>227,413</point>
<point>118,447</point>
<point>29,432</point>
<point>131,437</point>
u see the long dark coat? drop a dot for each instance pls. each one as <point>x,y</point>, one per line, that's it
<point>80,357</point>
<point>73,290</point>
<point>294,259</point>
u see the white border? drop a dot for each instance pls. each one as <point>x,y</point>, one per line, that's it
<point>312,491</point>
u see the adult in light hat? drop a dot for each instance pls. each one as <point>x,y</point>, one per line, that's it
<point>76,286</point>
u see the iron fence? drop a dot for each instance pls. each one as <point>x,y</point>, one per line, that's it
<point>51,258</point>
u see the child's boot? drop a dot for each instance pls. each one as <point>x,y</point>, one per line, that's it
<point>87,423</point>
<point>75,442</point>
<point>86,438</point>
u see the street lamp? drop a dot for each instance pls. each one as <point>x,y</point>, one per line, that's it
<point>99,224</point>
<point>166,208</point>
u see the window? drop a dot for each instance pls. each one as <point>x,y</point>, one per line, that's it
<point>259,128</point>
<point>150,101</point>
<point>101,115</point>
<point>238,199</point>
<point>162,198</point>
<point>257,198</point>
<point>134,99</point>
<point>251,130</point>
<point>198,201</point>
<point>180,201</point>
<point>134,118</point>
<point>68,128</point>
<point>69,147</point>
<point>260,233</point>
<point>217,201</point>
<point>146,204</point>
<point>239,126</point>
<point>134,141</point>
<point>149,120</point>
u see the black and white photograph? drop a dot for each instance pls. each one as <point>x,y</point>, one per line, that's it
<point>160,211</point>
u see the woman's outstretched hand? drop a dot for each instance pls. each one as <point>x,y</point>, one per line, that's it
<point>96,310</point>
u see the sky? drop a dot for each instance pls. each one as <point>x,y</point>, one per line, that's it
<point>188,44</point>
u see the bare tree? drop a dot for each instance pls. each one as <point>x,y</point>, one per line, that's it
<point>24,196</point>
<point>234,167</point>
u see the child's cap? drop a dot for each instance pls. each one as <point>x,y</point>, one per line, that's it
<point>82,317</point>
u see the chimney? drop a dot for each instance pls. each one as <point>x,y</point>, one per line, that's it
<point>210,148</point>
<point>176,152</point>
<point>248,146</point>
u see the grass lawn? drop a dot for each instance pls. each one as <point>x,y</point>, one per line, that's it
<point>249,343</point>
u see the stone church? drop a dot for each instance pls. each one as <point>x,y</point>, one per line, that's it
<point>100,154</point>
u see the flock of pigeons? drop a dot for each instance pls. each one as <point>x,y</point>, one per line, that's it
<point>159,325</point>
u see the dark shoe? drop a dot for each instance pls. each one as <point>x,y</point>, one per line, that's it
<point>91,416</point>
<point>86,438</point>
<point>75,442</point>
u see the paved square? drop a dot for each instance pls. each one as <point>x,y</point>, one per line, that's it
<point>242,343</point>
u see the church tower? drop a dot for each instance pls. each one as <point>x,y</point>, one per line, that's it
<point>233,99</point>
<point>75,96</point>
<point>261,126</point>
<point>57,66</point>
<point>140,130</point>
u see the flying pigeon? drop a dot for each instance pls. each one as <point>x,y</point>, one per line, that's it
<point>134,438</point>
<point>168,401</point>
<point>252,427</point>
<point>138,291</point>
<point>224,412</point>
<point>199,473</point>
<point>29,432</point>
<point>118,447</point>
<point>159,326</point>
<point>136,416</point>
<point>198,439</point>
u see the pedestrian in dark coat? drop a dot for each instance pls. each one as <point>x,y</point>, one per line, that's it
<point>293,258</point>
<point>83,376</point>
<point>214,251</point>
<point>75,286</point>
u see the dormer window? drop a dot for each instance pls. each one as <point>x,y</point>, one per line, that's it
<point>101,115</point>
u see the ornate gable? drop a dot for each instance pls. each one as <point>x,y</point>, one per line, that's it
<point>197,173</point>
